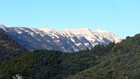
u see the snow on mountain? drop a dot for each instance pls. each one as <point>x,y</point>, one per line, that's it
<point>82,31</point>
<point>3,27</point>
<point>107,35</point>
<point>93,37</point>
<point>64,40</point>
<point>47,30</point>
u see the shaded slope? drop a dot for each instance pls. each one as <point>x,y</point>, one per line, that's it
<point>52,64</point>
<point>120,61</point>
<point>9,49</point>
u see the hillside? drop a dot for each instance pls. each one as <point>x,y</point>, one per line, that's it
<point>122,63</point>
<point>114,61</point>
<point>52,64</point>
<point>9,49</point>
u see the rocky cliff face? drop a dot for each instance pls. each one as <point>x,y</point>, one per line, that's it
<point>65,40</point>
<point>17,76</point>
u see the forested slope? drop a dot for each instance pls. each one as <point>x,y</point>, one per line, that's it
<point>9,49</point>
<point>122,63</point>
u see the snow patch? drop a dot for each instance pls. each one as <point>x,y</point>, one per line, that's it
<point>3,27</point>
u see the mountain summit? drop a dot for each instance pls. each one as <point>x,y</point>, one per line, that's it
<point>64,40</point>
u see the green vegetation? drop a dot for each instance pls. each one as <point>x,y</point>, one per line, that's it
<point>114,61</point>
<point>47,64</point>
<point>121,63</point>
<point>9,49</point>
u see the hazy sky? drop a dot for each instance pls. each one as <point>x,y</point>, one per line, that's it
<point>121,17</point>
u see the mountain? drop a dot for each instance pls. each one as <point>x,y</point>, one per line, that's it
<point>65,40</point>
<point>113,61</point>
<point>121,63</point>
<point>9,49</point>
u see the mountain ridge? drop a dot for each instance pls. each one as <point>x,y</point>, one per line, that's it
<point>63,40</point>
<point>122,62</point>
<point>113,61</point>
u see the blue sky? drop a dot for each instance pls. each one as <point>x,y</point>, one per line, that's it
<point>122,17</point>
